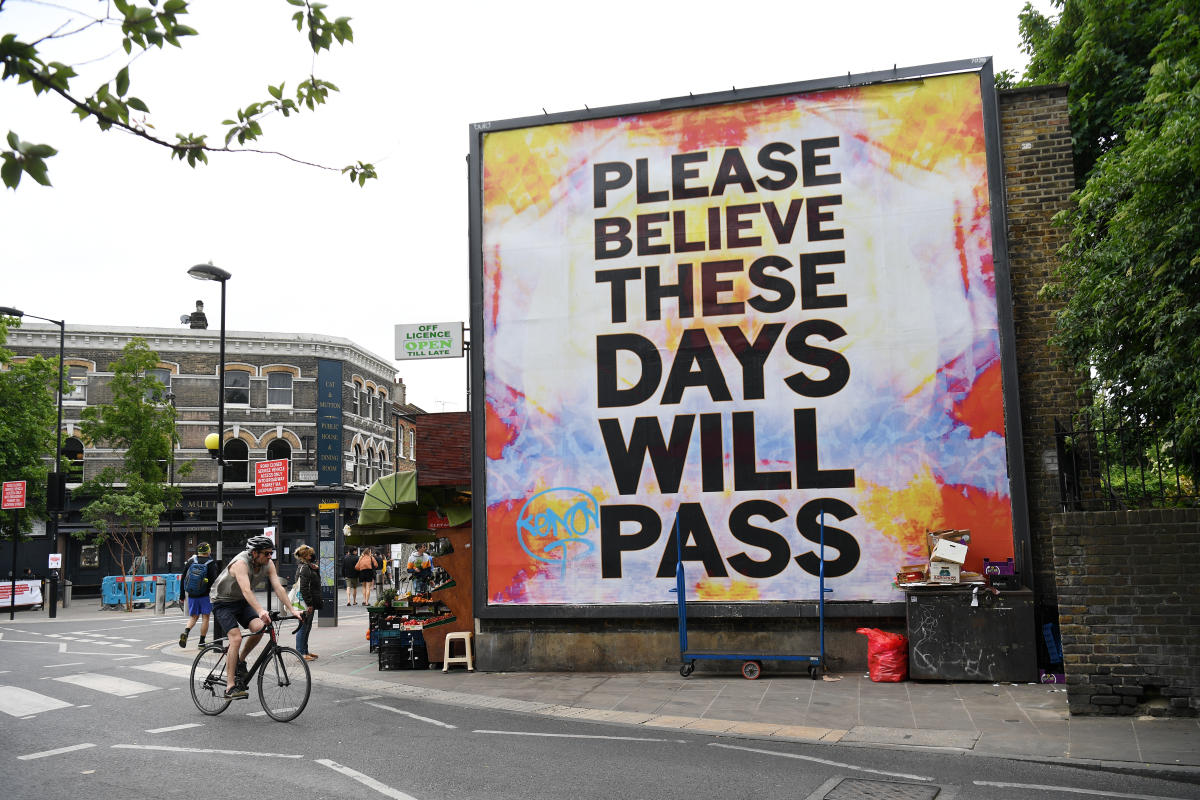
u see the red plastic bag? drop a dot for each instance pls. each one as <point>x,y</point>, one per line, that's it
<point>887,655</point>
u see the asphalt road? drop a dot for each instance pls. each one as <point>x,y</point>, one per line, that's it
<point>96,710</point>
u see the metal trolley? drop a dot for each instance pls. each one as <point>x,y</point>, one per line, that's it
<point>751,662</point>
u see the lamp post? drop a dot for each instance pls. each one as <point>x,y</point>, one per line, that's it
<point>54,497</point>
<point>207,272</point>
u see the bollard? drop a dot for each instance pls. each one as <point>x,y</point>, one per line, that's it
<point>50,598</point>
<point>160,596</point>
<point>66,598</point>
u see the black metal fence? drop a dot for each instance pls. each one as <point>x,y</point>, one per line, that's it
<point>1113,466</point>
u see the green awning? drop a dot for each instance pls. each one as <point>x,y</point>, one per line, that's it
<point>394,511</point>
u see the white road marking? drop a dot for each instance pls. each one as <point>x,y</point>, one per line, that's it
<point>410,714</point>
<point>825,761</point>
<point>172,668</point>
<point>176,728</point>
<point>203,750</point>
<point>18,702</point>
<point>573,736</point>
<point>108,684</point>
<point>1040,788</point>
<point>45,753</point>
<point>366,780</point>
<point>68,664</point>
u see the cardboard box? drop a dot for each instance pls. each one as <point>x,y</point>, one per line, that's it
<point>943,572</point>
<point>962,536</point>
<point>913,573</point>
<point>946,550</point>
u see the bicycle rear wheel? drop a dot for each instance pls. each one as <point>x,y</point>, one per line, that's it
<point>208,680</point>
<point>284,684</point>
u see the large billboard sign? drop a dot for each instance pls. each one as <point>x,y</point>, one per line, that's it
<point>734,314</point>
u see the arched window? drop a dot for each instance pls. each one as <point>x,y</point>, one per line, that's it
<point>381,466</point>
<point>358,464</point>
<point>72,450</point>
<point>370,466</point>
<point>369,413</point>
<point>279,448</point>
<point>354,398</point>
<point>279,389</point>
<point>236,455</point>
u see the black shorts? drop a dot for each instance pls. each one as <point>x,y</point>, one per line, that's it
<point>236,614</point>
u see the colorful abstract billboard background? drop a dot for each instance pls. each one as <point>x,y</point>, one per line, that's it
<point>764,322</point>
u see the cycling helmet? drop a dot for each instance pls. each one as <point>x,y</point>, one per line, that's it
<point>259,543</point>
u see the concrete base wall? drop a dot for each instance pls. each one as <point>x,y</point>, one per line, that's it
<point>637,645</point>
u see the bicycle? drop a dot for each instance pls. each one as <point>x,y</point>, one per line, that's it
<point>284,680</point>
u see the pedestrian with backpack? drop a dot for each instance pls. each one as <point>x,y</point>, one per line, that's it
<point>199,572</point>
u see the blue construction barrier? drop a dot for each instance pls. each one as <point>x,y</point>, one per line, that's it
<point>113,588</point>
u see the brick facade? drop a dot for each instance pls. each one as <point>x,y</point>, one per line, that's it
<point>1038,177</point>
<point>1130,615</point>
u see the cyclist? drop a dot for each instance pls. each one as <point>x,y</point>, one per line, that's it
<point>235,606</point>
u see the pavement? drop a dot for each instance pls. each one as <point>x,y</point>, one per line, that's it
<point>1008,720</point>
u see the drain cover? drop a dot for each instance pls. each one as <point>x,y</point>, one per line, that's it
<point>858,789</point>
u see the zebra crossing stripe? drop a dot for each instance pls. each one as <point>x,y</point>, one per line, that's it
<point>108,684</point>
<point>18,702</point>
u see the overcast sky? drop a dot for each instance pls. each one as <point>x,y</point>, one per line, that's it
<point>111,241</point>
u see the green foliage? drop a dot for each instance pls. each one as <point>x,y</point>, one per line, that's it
<point>28,408</point>
<point>127,501</point>
<point>1130,272</point>
<point>142,28</point>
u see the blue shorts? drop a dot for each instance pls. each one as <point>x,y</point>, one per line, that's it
<point>199,606</point>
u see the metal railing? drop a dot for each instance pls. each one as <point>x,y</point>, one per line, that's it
<point>1115,466</point>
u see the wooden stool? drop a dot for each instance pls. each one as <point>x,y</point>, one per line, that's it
<point>466,658</point>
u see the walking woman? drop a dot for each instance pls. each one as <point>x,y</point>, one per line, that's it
<point>310,589</point>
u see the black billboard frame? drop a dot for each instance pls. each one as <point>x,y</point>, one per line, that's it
<point>1004,311</point>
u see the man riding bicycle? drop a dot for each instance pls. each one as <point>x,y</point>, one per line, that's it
<point>235,606</point>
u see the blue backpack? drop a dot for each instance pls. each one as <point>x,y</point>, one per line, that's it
<point>195,578</point>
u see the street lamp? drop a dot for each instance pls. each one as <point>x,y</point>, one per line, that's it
<point>207,272</point>
<point>54,496</point>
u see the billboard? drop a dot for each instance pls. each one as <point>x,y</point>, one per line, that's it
<point>745,314</point>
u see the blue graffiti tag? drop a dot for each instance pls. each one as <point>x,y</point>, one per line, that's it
<point>563,529</point>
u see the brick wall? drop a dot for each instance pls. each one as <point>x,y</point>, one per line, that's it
<point>1038,177</point>
<point>1130,614</point>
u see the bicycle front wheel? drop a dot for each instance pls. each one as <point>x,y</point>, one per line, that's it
<point>208,680</point>
<point>284,684</point>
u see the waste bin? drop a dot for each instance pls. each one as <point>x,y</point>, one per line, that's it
<point>958,633</point>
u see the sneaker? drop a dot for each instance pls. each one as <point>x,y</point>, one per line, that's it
<point>309,657</point>
<point>236,693</point>
<point>183,638</point>
<point>201,640</point>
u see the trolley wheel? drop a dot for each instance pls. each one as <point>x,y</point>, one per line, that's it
<point>687,668</point>
<point>751,670</point>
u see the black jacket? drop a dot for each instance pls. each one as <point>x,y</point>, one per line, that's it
<point>310,586</point>
<point>348,565</point>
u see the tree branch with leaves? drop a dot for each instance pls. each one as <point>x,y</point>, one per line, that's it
<point>142,28</point>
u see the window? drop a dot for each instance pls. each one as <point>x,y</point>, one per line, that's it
<point>412,444</point>
<point>154,392</point>
<point>72,450</point>
<point>236,455</point>
<point>280,449</point>
<point>369,468</point>
<point>89,556</point>
<point>380,468</point>
<point>279,389</point>
<point>365,396</point>
<point>358,464</point>
<point>370,411</point>
<point>77,385</point>
<point>382,399</point>
<point>237,388</point>
<point>354,398</point>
